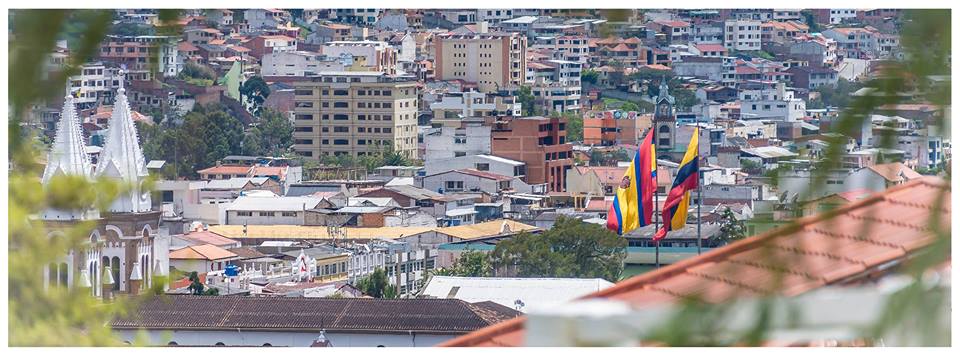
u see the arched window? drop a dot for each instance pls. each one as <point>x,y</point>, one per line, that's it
<point>52,274</point>
<point>664,129</point>
<point>115,270</point>
<point>219,344</point>
<point>63,274</point>
<point>267,344</point>
<point>172,343</point>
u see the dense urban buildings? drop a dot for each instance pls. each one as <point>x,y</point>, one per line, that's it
<point>461,176</point>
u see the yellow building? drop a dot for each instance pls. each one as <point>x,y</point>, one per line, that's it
<point>490,60</point>
<point>355,113</point>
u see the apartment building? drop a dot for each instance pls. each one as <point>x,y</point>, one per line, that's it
<point>490,60</point>
<point>94,85</point>
<point>141,53</point>
<point>263,45</point>
<point>471,137</point>
<point>457,105</point>
<point>770,101</point>
<point>607,128</point>
<point>355,113</point>
<point>372,55</point>
<point>301,63</point>
<point>742,35</point>
<point>540,143</point>
<point>572,48</point>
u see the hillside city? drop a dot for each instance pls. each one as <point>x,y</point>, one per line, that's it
<point>424,177</point>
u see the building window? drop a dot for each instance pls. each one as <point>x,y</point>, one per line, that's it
<point>454,185</point>
<point>289,214</point>
<point>244,214</point>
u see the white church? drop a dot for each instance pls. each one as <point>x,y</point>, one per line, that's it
<point>127,248</point>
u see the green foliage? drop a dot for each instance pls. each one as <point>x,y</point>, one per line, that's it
<point>376,285</point>
<point>255,91</point>
<point>273,135</point>
<point>571,248</point>
<point>574,126</point>
<point>731,229</point>
<point>589,76</point>
<point>208,134</point>
<point>197,74</point>
<point>131,29</point>
<point>195,287</point>
<point>471,263</point>
<point>838,96</point>
<point>528,103</point>
<point>811,22</point>
<point>37,315</point>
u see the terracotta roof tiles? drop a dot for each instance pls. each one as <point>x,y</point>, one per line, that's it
<point>831,248</point>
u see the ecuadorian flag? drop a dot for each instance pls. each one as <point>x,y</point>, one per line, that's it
<point>678,199</point>
<point>633,204</point>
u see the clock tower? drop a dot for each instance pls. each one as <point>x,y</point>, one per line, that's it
<point>664,120</point>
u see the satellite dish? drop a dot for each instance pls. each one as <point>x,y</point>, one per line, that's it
<point>783,197</point>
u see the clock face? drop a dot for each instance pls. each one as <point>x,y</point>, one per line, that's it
<point>663,110</point>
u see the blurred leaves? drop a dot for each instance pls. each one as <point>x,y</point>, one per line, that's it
<point>39,315</point>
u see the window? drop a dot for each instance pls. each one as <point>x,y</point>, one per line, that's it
<point>483,166</point>
<point>341,105</point>
<point>340,92</point>
<point>289,214</point>
<point>341,129</point>
<point>266,214</point>
<point>304,117</point>
<point>340,142</point>
<point>303,92</point>
<point>340,117</point>
<point>244,214</point>
<point>459,154</point>
<point>452,185</point>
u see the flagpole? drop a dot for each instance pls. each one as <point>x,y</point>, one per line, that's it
<point>656,215</point>
<point>699,193</point>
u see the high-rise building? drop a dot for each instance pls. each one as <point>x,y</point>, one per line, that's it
<point>490,60</point>
<point>355,113</point>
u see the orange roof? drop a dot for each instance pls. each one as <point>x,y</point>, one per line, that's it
<point>656,67</point>
<point>278,171</point>
<point>817,251</point>
<point>201,252</point>
<point>208,237</point>
<point>893,171</point>
<point>226,169</point>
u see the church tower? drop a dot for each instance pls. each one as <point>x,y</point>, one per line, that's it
<point>126,248</point>
<point>122,159</point>
<point>68,156</point>
<point>664,120</point>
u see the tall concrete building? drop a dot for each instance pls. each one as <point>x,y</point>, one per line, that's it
<point>355,113</point>
<point>490,60</point>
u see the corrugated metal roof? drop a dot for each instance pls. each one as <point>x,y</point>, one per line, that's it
<point>438,316</point>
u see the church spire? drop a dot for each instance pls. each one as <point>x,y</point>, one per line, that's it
<point>67,156</point>
<point>122,159</point>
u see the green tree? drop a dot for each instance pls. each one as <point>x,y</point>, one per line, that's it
<point>527,101</point>
<point>574,126</point>
<point>471,263</point>
<point>838,96</point>
<point>376,285</point>
<point>197,74</point>
<point>276,132</point>
<point>731,229</point>
<point>131,29</point>
<point>571,248</point>
<point>255,91</point>
<point>590,76</point>
<point>195,287</point>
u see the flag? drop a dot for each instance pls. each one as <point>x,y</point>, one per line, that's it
<point>678,199</point>
<point>633,204</point>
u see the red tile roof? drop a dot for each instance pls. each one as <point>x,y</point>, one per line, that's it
<point>201,252</point>
<point>841,245</point>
